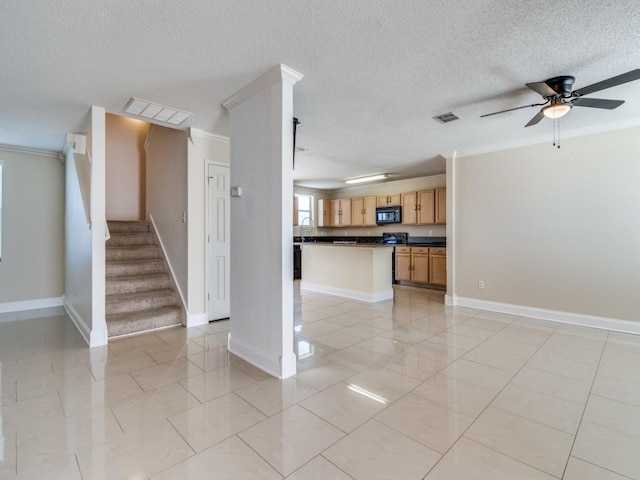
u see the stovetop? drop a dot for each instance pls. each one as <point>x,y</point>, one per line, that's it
<point>395,238</point>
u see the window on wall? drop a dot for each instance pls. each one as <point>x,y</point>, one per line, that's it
<point>305,209</point>
<point>1,165</point>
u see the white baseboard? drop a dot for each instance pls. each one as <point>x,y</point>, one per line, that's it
<point>37,304</point>
<point>78,322</point>
<point>450,300</point>
<point>94,338</point>
<point>196,319</point>
<point>341,292</point>
<point>99,337</point>
<point>625,326</point>
<point>262,360</point>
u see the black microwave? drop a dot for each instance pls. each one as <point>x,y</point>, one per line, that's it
<point>386,215</point>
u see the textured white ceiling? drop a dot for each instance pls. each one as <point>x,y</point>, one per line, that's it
<point>375,71</point>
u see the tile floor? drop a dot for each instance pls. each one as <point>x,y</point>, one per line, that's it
<point>404,389</point>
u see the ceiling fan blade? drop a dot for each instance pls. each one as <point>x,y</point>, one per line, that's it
<point>597,103</point>
<point>535,120</point>
<point>542,89</point>
<point>608,83</point>
<point>512,109</point>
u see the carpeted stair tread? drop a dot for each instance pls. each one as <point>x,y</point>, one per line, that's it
<point>139,293</point>
<point>128,323</point>
<point>135,302</point>
<point>127,227</point>
<point>135,252</point>
<point>134,267</point>
<point>130,239</point>
<point>137,283</point>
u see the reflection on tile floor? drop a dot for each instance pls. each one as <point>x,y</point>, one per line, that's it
<point>401,389</point>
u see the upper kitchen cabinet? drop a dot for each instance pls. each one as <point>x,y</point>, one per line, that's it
<point>363,212</point>
<point>340,212</point>
<point>441,205</point>
<point>418,208</point>
<point>323,213</point>
<point>388,200</point>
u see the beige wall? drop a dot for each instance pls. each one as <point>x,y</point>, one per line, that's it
<point>167,196</point>
<point>32,265</point>
<point>552,229</point>
<point>125,168</point>
<point>387,188</point>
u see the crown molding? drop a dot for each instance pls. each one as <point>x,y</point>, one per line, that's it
<point>196,135</point>
<point>279,73</point>
<point>32,151</point>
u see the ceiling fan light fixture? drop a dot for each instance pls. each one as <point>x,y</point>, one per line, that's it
<point>556,110</point>
<point>370,178</point>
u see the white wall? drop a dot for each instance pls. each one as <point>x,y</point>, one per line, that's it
<point>84,298</point>
<point>77,289</point>
<point>261,328</point>
<point>385,188</point>
<point>32,265</point>
<point>167,197</point>
<point>552,229</point>
<point>125,168</point>
<point>201,148</point>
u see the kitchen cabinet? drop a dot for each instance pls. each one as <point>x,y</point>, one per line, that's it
<point>363,212</point>
<point>418,208</point>
<point>403,264</point>
<point>421,265</point>
<point>388,200</point>
<point>340,212</point>
<point>441,205</point>
<point>323,213</point>
<point>438,266</point>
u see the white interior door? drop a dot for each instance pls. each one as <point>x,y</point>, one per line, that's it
<point>218,247</point>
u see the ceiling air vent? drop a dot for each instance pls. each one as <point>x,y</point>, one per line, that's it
<point>147,110</point>
<point>447,117</point>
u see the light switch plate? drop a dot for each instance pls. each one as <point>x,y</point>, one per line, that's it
<point>236,191</point>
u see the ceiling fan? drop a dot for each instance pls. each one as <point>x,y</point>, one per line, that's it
<point>559,98</point>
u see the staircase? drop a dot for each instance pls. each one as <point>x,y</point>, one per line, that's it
<point>139,296</point>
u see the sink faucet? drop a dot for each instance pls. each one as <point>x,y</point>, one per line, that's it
<point>302,225</point>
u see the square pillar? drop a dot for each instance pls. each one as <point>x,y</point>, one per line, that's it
<point>261,326</point>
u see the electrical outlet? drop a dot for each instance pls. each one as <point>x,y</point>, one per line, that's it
<point>431,233</point>
<point>480,284</point>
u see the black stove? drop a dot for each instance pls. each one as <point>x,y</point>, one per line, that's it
<point>390,238</point>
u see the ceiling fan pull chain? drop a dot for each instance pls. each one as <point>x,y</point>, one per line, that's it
<point>558,134</point>
<point>554,132</point>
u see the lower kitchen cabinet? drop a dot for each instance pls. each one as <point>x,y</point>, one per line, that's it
<point>403,264</point>
<point>438,266</point>
<point>421,265</point>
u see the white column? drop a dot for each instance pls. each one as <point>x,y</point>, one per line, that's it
<point>261,326</point>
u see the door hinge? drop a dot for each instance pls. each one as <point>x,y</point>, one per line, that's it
<point>208,296</point>
<point>208,238</point>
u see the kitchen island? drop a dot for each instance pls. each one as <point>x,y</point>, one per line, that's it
<point>353,270</point>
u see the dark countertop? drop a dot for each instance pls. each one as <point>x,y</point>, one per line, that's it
<point>439,242</point>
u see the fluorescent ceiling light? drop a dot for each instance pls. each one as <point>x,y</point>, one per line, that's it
<point>370,178</point>
<point>556,110</point>
<point>154,111</point>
